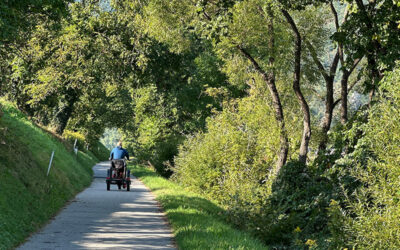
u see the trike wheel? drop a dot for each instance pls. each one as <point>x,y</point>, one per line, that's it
<point>108,186</point>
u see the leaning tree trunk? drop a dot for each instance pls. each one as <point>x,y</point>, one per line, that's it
<point>305,140</point>
<point>269,79</point>
<point>64,112</point>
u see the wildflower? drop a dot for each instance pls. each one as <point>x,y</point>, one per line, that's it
<point>311,243</point>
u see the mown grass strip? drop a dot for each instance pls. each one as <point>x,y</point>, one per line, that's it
<point>197,223</point>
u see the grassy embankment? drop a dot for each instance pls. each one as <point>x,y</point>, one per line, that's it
<point>197,222</point>
<point>29,198</point>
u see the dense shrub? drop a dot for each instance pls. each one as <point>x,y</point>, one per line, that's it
<point>371,218</point>
<point>239,146</point>
<point>152,136</point>
<point>234,164</point>
<point>100,151</point>
<point>71,136</point>
<point>346,197</point>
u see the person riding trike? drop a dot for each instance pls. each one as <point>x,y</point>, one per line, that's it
<point>118,172</point>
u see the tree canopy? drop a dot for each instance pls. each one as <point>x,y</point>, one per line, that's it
<point>274,108</point>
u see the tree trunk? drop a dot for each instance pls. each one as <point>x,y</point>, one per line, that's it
<point>343,96</point>
<point>269,79</point>
<point>329,78</point>
<point>296,87</point>
<point>375,75</point>
<point>65,111</point>
<point>326,124</point>
<point>329,102</point>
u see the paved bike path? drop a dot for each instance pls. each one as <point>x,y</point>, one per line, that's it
<point>100,219</point>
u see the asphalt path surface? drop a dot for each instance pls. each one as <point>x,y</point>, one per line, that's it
<point>101,219</point>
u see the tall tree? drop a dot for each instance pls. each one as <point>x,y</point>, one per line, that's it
<point>269,79</point>
<point>348,65</point>
<point>372,30</point>
<point>17,21</point>
<point>226,24</point>
<point>296,87</point>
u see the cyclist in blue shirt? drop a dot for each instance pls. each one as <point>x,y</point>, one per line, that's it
<point>119,153</point>
<point>117,157</point>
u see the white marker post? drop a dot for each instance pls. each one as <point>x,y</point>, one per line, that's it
<point>75,147</point>
<point>51,160</point>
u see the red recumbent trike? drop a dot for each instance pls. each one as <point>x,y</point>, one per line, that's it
<point>119,174</point>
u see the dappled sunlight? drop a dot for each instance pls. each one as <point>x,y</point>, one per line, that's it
<point>100,219</point>
<point>134,223</point>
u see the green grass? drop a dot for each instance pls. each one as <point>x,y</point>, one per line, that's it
<point>29,198</point>
<point>197,223</point>
<point>100,151</point>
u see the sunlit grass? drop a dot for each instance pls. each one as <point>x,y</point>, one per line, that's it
<point>29,198</point>
<point>197,223</point>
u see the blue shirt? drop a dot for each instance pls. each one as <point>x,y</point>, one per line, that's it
<point>119,153</point>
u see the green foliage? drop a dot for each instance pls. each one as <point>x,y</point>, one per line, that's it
<point>169,76</point>
<point>100,151</point>
<point>18,20</point>
<point>234,148</point>
<point>296,210</point>
<point>91,71</point>
<point>18,17</point>
<point>161,15</point>
<point>29,198</point>
<point>240,146</point>
<point>154,128</point>
<point>69,76</point>
<point>337,219</point>
<point>71,136</point>
<point>299,5</point>
<point>110,138</point>
<point>373,211</point>
<point>372,30</point>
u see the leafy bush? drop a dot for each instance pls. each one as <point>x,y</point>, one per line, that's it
<point>233,163</point>
<point>372,219</point>
<point>239,147</point>
<point>335,202</point>
<point>71,136</point>
<point>152,136</point>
